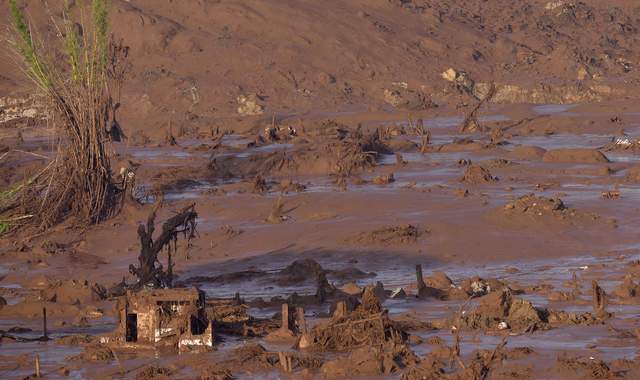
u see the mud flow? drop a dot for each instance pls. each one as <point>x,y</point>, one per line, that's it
<point>388,189</point>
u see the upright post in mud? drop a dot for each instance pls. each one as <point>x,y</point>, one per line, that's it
<point>341,310</point>
<point>44,324</point>
<point>169,268</point>
<point>599,300</point>
<point>37,366</point>
<point>419,280</point>
<point>300,320</point>
<point>285,317</point>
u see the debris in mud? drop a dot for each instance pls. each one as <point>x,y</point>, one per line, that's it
<point>260,185</point>
<point>611,194</point>
<point>628,288</point>
<point>357,153</point>
<point>384,179</point>
<point>370,361</point>
<point>154,373</point>
<point>633,174</point>
<point>252,357</point>
<point>479,367</point>
<point>402,234</point>
<point>400,161</point>
<point>300,271</point>
<point>368,325</point>
<point>501,311</point>
<point>461,80</point>
<point>589,367</point>
<point>408,99</point>
<point>278,214</point>
<point>534,205</point>
<point>475,175</point>
<point>287,186</point>
<point>622,144</point>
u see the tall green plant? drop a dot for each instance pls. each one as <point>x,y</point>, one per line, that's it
<point>25,46</point>
<point>79,89</point>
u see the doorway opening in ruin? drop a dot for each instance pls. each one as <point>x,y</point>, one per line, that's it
<point>132,328</point>
<point>197,326</point>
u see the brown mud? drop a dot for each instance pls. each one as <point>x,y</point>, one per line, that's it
<point>494,145</point>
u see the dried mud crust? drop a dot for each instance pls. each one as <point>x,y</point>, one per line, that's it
<point>393,235</point>
<point>504,43</point>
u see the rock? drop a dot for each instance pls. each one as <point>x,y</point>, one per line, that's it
<point>462,81</point>
<point>248,105</point>
<point>439,280</point>
<point>449,75</point>
<point>577,155</point>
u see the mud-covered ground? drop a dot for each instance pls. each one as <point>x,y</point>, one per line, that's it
<point>321,139</point>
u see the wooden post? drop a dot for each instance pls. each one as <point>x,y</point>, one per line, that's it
<point>37,366</point>
<point>300,320</point>
<point>170,267</point>
<point>341,310</point>
<point>285,362</point>
<point>44,323</point>
<point>419,280</point>
<point>285,317</point>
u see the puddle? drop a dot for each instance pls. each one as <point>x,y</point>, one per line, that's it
<point>563,141</point>
<point>454,121</point>
<point>553,109</point>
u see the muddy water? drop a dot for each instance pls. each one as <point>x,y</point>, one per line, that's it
<point>576,184</point>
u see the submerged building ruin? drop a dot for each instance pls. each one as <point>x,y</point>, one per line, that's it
<point>163,318</point>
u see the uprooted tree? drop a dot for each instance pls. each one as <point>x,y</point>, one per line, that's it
<point>150,271</point>
<point>82,92</point>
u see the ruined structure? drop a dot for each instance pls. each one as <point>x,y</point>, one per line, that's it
<point>163,318</point>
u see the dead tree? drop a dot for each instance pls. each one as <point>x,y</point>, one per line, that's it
<point>471,122</point>
<point>150,271</point>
